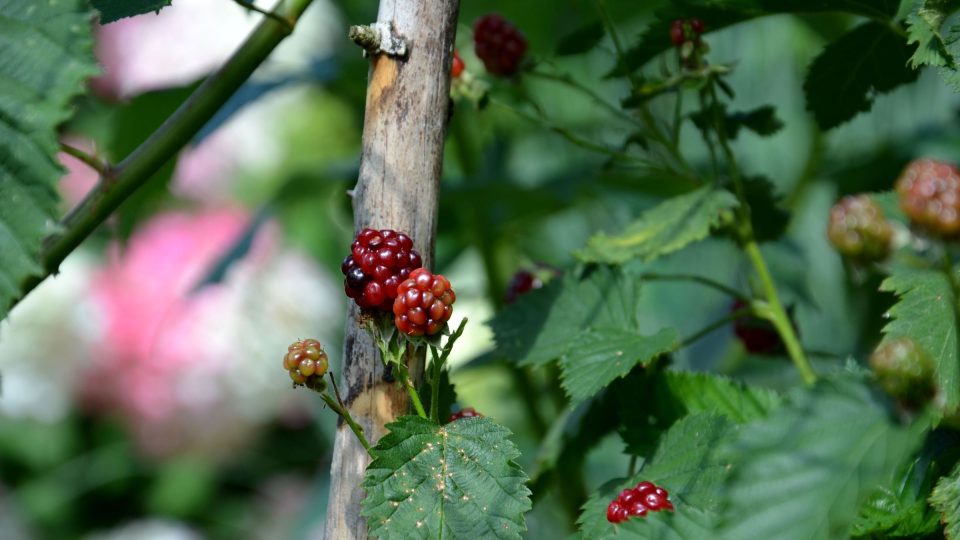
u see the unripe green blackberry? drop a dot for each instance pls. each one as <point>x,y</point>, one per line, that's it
<point>859,230</point>
<point>307,363</point>
<point>904,371</point>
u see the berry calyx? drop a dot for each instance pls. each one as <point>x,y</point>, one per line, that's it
<point>498,44</point>
<point>468,412</point>
<point>859,230</point>
<point>307,363</point>
<point>458,66</point>
<point>424,303</point>
<point>757,335</point>
<point>930,196</point>
<point>637,502</point>
<point>378,262</point>
<point>904,370</point>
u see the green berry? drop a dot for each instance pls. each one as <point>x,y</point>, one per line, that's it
<point>859,230</point>
<point>307,363</point>
<point>904,371</point>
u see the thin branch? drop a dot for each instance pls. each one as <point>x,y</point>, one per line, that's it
<point>345,414</point>
<point>91,161</point>
<point>120,182</point>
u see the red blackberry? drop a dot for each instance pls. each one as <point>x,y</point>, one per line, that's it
<point>859,230</point>
<point>468,412</point>
<point>697,26</point>
<point>757,335</point>
<point>904,371</point>
<point>379,261</point>
<point>458,65</point>
<point>307,364</point>
<point>424,303</point>
<point>521,283</point>
<point>637,501</point>
<point>677,32</point>
<point>498,44</point>
<point>930,196</point>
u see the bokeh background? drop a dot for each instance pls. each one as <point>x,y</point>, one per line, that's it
<point>143,395</point>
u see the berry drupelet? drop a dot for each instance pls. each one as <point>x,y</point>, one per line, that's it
<point>498,44</point>
<point>458,66</point>
<point>378,262</point>
<point>468,412</point>
<point>424,303</point>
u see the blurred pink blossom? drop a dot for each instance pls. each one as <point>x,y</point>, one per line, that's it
<point>193,370</point>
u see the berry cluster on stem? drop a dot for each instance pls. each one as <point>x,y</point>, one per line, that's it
<point>638,501</point>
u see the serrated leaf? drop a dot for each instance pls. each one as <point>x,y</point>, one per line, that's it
<point>946,499</point>
<point>685,465</point>
<point>581,40</point>
<point>114,10</point>
<point>47,55</point>
<point>717,15</point>
<point>598,356</point>
<point>669,226</point>
<point>803,472</point>
<point>671,395</point>
<point>444,482</point>
<point>844,78</point>
<point>541,325</point>
<point>923,28</point>
<point>927,313</point>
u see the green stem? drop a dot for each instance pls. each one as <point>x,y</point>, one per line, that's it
<point>778,316</point>
<point>435,388</point>
<point>253,7</point>
<point>729,291</point>
<point>91,161</point>
<point>337,406</point>
<point>120,182</point>
<point>632,467</point>
<point>404,379</point>
<point>713,326</point>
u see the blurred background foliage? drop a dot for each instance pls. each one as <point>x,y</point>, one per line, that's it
<point>143,395</point>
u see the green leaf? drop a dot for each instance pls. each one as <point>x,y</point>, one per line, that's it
<point>47,55</point>
<point>598,356</point>
<point>581,40</point>
<point>114,10</point>
<point>946,499</point>
<point>846,76</point>
<point>542,324</point>
<point>669,226</point>
<point>767,215</point>
<point>454,481</point>
<point>717,15</point>
<point>803,472</point>
<point>923,28</point>
<point>927,313</point>
<point>685,465</point>
<point>763,120</point>
<point>671,395</point>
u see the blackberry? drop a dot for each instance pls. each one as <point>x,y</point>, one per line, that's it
<point>307,363</point>
<point>498,44</point>
<point>859,230</point>
<point>378,262</point>
<point>468,412</point>
<point>424,303</point>
<point>757,335</point>
<point>904,370</point>
<point>637,502</point>
<point>930,196</point>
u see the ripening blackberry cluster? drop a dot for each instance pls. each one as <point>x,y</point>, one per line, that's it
<point>383,272</point>
<point>637,501</point>
<point>859,230</point>
<point>307,363</point>
<point>498,44</point>
<point>929,193</point>
<point>468,412</point>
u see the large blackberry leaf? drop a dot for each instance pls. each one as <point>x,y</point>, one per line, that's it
<point>927,313</point>
<point>685,466</point>
<point>47,54</point>
<point>665,228</point>
<point>443,482</point>
<point>804,470</point>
